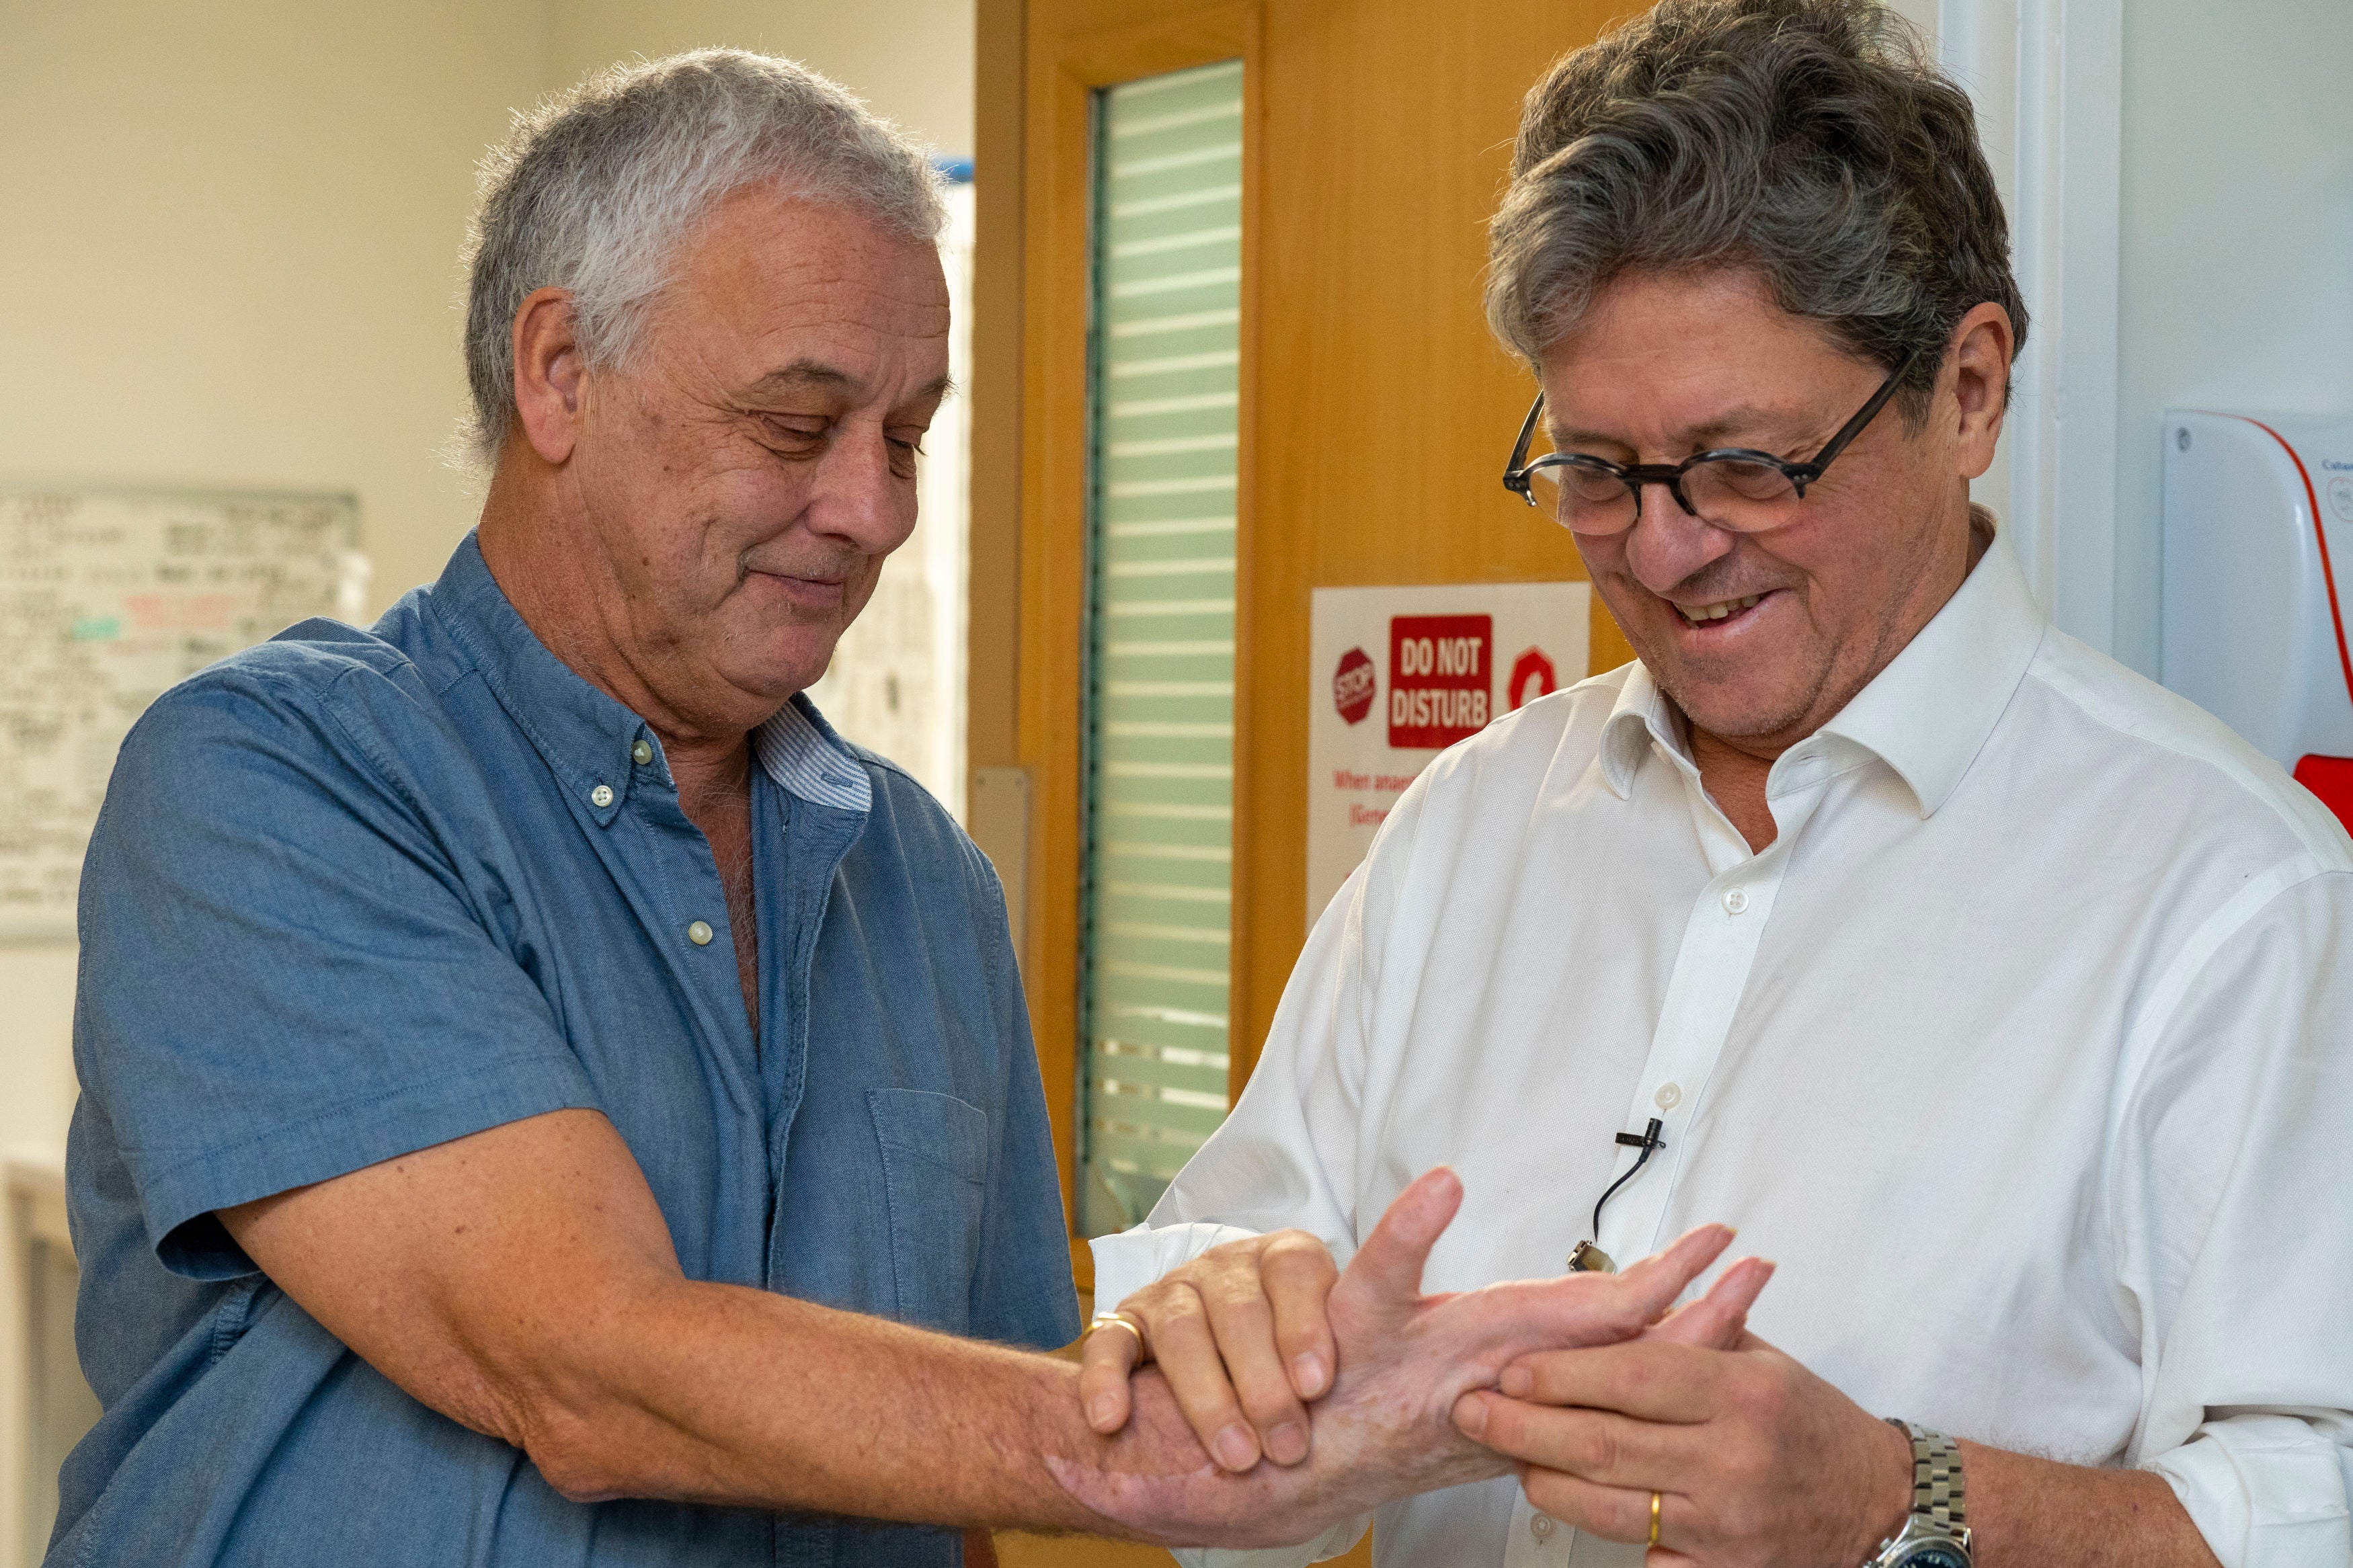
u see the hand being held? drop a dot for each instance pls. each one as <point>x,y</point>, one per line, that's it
<point>1406,1358</point>
<point>1400,1359</point>
<point>1243,1335</point>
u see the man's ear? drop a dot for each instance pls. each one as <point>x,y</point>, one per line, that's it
<point>1983,343</point>
<point>550,373</point>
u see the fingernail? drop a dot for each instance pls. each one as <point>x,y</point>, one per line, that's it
<point>1102,1411</point>
<point>1517,1381</point>
<point>1287,1444</point>
<point>1471,1415</point>
<point>1235,1450</point>
<point>1307,1370</point>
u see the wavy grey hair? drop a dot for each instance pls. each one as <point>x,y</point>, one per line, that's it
<point>595,188</point>
<point>1809,141</point>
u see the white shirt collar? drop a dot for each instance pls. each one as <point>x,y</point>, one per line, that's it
<point>1642,717</point>
<point>1927,715</point>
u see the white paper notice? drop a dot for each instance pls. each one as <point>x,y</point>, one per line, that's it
<point>1398,674</point>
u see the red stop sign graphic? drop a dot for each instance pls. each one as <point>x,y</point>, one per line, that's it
<point>1354,684</point>
<point>1442,678</point>
<point>1532,677</point>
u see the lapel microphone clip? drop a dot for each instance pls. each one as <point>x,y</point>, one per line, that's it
<point>1586,1257</point>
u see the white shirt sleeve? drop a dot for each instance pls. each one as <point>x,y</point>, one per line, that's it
<point>2231,1205</point>
<point>1284,1158</point>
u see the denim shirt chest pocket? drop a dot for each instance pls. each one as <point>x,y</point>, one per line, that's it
<point>934,1152</point>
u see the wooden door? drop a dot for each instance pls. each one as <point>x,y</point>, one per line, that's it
<point>1375,412</point>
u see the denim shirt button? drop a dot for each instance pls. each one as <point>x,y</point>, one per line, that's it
<point>699,934</point>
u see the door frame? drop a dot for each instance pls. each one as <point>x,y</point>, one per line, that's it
<point>1040,225</point>
<point>2047,77</point>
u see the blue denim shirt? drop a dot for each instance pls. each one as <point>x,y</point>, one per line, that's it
<point>355,893</point>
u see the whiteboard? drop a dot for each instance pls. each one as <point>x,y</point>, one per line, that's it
<point>106,599</point>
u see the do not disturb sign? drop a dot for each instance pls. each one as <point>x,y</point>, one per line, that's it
<point>1442,675</point>
<point>1456,658</point>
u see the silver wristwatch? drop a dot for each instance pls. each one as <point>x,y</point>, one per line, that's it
<point>1935,1534</point>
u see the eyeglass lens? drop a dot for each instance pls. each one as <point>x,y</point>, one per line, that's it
<point>1743,497</point>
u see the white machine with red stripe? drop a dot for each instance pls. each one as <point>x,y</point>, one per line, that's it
<point>2258,576</point>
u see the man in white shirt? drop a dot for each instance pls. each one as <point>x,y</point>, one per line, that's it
<point>1988,988</point>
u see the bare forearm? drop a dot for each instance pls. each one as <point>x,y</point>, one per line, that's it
<point>721,1394</point>
<point>2026,1512</point>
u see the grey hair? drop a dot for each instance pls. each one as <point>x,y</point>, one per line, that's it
<point>1808,141</point>
<point>594,189</point>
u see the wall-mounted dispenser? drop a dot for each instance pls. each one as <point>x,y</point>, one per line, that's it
<point>2258,577</point>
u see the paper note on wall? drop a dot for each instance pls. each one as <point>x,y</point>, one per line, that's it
<point>1400,673</point>
<point>105,600</point>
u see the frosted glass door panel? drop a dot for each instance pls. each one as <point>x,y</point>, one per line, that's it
<point>1159,798</point>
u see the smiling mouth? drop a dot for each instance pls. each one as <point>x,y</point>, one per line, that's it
<point>829,579</point>
<point>1723,609</point>
<point>807,590</point>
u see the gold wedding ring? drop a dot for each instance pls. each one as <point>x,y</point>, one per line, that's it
<point>1119,1321</point>
<point>1655,1500</point>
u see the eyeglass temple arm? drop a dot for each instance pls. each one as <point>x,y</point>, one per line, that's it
<point>1811,472</point>
<point>1514,479</point>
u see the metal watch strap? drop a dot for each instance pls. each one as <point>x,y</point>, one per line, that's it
<point>1936,1490</point>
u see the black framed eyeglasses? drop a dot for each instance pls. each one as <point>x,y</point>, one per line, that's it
<point>1733,487</point>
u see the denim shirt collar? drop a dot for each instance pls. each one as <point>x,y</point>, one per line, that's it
<point>588,738</point>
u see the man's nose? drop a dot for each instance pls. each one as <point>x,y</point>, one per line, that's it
<point>858,498</point>
<point>1667,543</point>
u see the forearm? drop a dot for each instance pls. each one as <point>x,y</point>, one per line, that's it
<point>2025,1512</point>
<point>722,1394</point>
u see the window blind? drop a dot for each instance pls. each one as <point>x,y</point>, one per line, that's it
<point>1158,857</point>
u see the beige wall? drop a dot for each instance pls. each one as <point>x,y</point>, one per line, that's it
<point>233,239</point>
<point>228,256</point>
<point>911,59</point>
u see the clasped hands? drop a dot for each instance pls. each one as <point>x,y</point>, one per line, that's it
<point>1323,1392</point>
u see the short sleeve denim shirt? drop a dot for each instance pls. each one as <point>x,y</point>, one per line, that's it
<point>356,893</point>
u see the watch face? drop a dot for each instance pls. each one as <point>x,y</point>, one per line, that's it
<point>1934,1555</point>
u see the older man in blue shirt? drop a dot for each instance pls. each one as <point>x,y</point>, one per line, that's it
<point>547,1098</point>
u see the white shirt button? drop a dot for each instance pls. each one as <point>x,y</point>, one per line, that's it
<point>1541,1527</point>
<point>699,934</point>
<point>601,797</point>
<point>642,752</point>
<point>1734,901</point>
<point>1669,1095</point>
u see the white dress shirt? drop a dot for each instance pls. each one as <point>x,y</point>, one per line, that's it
<point>2022,1050</point>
